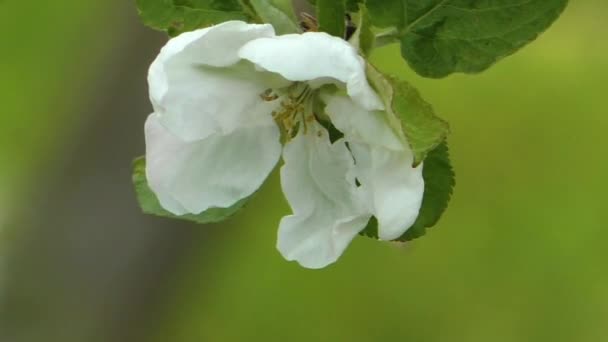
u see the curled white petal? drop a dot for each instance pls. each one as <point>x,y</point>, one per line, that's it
<point>314,57</point>
<point>359,124</point>
<point>215,172</point>
<point>393,188</point>
<point>198,87</point>
<point>327,208</point>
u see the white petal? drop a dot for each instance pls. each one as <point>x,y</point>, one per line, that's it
<point>360,125</point>
<point>394,188</point>
<point>193,94</point>
<point>215,172</point>
<point>216,45</point>
<point>328,211</point>
<point>383,165</point>
<point>316,57</point>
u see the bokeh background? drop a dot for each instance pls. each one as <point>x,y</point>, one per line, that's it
<point>519,256</point>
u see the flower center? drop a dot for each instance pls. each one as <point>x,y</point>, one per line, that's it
<point>296,110</point>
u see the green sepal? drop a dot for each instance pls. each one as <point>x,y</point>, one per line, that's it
<point>150,205</point>
<point>364,38</point>
<point>439,182</point>
<point>409,114</point>
<point>287,7</point>
<point>268,12</point>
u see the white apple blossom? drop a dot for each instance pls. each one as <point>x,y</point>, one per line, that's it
<point>224,96</point>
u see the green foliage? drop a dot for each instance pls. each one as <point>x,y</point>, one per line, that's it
<point>440,37</point>
<point>177,16</point>
<point>353,5</point>
<point>409,113</point>
<point>330,15</point>
<point>220,5</point>
<point>364,38</point>
<point>286,6</point>
<point>387,13</point>
<point>150,205</point>
<point>271,13</point>
<point>439,182</point>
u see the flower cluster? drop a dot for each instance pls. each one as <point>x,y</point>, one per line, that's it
<point>231,99</point>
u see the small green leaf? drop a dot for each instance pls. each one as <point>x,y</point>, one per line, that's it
<point>150,205</point>
<point>177,16</point>
<point>440,37</point>
<point>439,182</point>
<point>331,17</point>
<point>409,113</point>
<point>364,38</point>
<point>270,13</point>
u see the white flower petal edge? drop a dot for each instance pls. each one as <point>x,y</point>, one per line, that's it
<point>359,124</point>
<point>328,209</point>
<point>383,166</point>
<point>215,172</point>
<point>192,91</point>
<point>317,58</point>
<point>394,187</point>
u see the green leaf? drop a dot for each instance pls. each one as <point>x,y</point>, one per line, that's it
<point>439,182</point>
<point>150,205</point>
<point>440,37</point>
<point>353,5</point>
<point>287,7</point>
<point>387,13</point>
<point>409,114</point>
<point>270,13</point>
<point>219,5</point>
<point>177,16</point>
<point>364,38</point>
<point>331,17</point>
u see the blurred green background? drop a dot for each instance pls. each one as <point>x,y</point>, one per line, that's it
<point>519,256</point>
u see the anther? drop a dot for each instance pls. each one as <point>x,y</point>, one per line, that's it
<point>268,95</point>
